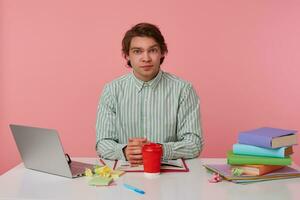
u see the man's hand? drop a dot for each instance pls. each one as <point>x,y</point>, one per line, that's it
<point>133,151</point>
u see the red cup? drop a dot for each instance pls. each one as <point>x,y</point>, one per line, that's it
<point>152,154</point>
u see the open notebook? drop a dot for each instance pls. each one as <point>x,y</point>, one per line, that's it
<point>178,165</point>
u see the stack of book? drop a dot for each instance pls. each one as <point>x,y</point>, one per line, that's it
<point>260,155</point>
<point>263,150</point>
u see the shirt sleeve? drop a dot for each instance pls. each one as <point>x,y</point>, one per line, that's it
<point>189,131</point>
<point>107,145</point>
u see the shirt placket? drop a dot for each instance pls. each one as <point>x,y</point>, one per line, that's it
<point>145,110</point>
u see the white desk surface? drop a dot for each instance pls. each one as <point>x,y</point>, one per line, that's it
<point>22,183</point>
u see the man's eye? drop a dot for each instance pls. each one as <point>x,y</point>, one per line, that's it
<point>153,50</point>
<point>137,51</point>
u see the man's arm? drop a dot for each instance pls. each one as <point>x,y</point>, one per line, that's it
<point>189,132</point>
<point>107,145</point>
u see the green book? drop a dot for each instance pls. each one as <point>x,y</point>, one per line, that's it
<point>236,159</point>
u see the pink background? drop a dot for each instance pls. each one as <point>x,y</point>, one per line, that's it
<point>55,56</point>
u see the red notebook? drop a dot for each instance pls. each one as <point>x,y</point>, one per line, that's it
<point>178,165</point>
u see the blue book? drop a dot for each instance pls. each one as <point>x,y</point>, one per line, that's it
<point>268,137</point>
<point>245,149</point>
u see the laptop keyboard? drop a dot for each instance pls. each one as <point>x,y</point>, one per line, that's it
<point>78,168</point>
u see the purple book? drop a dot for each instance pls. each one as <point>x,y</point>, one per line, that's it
<point>264,136</point>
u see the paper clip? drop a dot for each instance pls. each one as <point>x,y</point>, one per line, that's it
<point>237,172</point>
<point>215,178</point>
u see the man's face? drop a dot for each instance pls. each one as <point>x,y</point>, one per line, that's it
<point>144,56</point>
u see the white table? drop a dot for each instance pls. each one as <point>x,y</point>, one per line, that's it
<point>22,183</point>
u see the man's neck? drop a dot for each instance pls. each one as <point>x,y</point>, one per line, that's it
<point>145,79</point>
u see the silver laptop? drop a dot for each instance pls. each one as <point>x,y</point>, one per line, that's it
<point>41,150</point>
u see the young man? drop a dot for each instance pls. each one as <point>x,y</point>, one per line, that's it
<point>147,105</point>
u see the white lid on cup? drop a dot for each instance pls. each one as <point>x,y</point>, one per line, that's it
<point>151,175</point>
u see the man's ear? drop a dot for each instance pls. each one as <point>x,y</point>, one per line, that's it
<point>127,60</point>
<point>162,59</point>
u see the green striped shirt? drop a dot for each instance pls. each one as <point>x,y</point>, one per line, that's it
<point>164,110</point>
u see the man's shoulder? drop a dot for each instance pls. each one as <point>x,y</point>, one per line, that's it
<point>119,81</point>
<point>175,80</point>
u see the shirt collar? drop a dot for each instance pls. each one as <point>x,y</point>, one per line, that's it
<point>152,83</point>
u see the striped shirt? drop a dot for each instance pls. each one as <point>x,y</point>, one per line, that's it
<point>164,110</point>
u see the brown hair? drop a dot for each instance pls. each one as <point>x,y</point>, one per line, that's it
<point>144,30</point>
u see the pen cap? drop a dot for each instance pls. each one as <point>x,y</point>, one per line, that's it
<point>152,154</point>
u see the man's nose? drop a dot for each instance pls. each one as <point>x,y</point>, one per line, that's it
<point>146,57</point>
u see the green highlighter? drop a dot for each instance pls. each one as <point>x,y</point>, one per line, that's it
<point>100,181</point>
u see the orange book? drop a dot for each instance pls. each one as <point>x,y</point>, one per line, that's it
<point>256,170</point>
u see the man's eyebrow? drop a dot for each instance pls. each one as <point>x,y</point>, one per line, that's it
<point>155,45</point>
<point>136,48</point>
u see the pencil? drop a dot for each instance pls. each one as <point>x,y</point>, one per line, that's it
<point>102,162</point>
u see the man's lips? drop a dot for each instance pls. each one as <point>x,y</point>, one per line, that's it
<point>146,66</point>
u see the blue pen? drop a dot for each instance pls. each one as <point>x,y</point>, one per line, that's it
<point>133,189</point>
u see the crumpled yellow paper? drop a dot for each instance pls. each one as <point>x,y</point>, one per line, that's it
<point>103,171</point>
<point>88,172</point>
